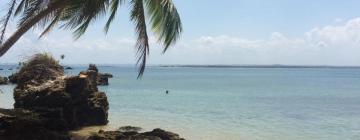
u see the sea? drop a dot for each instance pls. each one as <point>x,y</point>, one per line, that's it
<point>230,103</point>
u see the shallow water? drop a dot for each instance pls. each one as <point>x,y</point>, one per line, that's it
<point>234,103</point>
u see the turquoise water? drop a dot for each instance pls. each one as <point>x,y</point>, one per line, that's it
<point>234,103</point>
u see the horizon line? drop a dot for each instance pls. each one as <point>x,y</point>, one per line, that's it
<point>218,65</point>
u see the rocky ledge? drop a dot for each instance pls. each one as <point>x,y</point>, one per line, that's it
<point>156,134</point>
<point>20,124</point>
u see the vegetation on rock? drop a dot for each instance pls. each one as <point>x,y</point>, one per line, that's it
<point>38,69</point>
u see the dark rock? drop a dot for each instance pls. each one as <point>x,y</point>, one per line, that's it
<point>163,135</point>
<point>68,68</point>
<point>48,105</point>
<point>102,79</point>
<point>1,69</point>
<point>93,67</point>
<point>156,134</point>
<point>3,80</point>
<point>13,78</point>
<point>20,124</point>
<point>129,129</point>
<point>73,100</point>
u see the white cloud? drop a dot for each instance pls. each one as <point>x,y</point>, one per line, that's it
<point>345,35</point>
<point>328,45</point>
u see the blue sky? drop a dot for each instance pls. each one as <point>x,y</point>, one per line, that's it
<point>297,32</point>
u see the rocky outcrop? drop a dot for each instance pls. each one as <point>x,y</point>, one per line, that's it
<point>74,100</point>
<point>13,78</point>
<point>156,134</point>
<point>90,106</point>
<point>49,104</point>
<point>3,80</point>
<point>68,68</point>
<point>101,78</point>
<point>20,124</point>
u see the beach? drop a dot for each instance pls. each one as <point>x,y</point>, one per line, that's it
<point>232,103</point>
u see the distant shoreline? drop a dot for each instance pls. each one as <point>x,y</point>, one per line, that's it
<point>6,65</point>
<point>255,66</point>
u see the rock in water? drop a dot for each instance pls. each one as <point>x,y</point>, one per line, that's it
<point>69,68</point>
<point>101,78</point>
<point>156,134</point>
<point>3,80</point>
<point>42,87</point>
<point>93,68</point>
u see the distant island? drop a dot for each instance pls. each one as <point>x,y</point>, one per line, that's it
<point>258,66</point>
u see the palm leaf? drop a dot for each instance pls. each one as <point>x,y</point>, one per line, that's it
<point>6,19</point>
<point>142,44</point>
<point>165,21</point>
<point>78,15</point>
<point>114,5</point>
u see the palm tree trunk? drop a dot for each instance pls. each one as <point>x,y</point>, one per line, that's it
<point>27,25</point>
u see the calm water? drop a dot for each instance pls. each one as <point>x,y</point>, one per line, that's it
<point>234,103</point>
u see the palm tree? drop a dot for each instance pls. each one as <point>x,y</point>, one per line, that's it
<point>77,15</point>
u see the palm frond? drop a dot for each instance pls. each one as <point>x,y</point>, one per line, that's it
<point>142,44</point>
<point>6,19</point>
<point>20,7</point>
<point>165,21</point>
<point>52,24</point>
<point>114,6</point>
<point>78,15</point>
<point>31,8</point>
<point>81,13</point>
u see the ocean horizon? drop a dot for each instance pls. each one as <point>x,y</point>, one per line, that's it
<point>206,103</point>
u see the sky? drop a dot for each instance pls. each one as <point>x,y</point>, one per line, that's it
<point>229,32</point>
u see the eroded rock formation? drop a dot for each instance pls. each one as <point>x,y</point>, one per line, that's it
<point>49,104</point>
<point>42,87</point>
<point>156,134</point>
<point>101,78</point>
